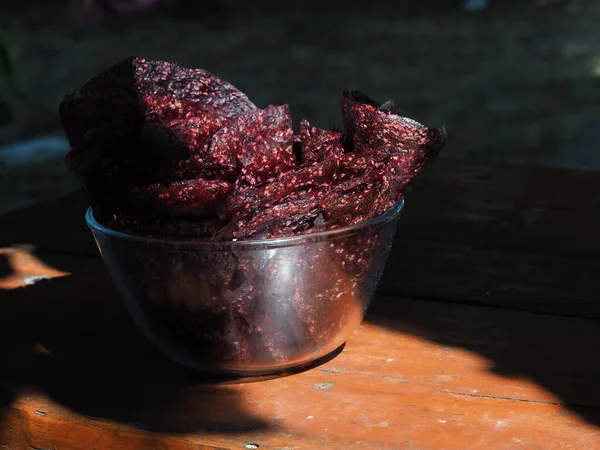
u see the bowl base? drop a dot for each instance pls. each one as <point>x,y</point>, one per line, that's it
<point>242,376</point>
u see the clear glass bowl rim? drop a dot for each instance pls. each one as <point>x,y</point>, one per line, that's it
<point>301,239</point>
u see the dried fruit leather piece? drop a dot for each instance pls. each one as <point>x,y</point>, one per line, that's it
<point>317,144</point>
<point>158,145</point>
<point>103,176</point>
<point>378,133</point>
<point>261,141</point>
<point>185,150</point>
<point>308,178</point>
<point>351,201</point>
<point>187,199</point>
<point>313,178</point>
<point>146,122</point>
<point>196,86</point>
<point>136,91</point>
<point>297,213</point>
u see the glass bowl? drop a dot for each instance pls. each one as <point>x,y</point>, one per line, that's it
<point>249,307</point>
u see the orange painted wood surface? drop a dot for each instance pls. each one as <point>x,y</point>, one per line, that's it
<point>485,334</point>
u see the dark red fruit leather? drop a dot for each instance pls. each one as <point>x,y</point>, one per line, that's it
<point>317,144</point>
<point>153,143</point>
<point>261,141</point>
<point>187,199</point>
<point>142,122</point>
<point>135,91</point>
<point>175,153</point>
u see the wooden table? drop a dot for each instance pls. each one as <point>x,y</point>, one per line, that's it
<point>485,334</point>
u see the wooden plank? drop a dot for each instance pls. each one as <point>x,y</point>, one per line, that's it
<point>23,268</point>
<point>57,225</point>
<point>548,210</point>
<point>513,236</point>
<point>525,208</point>
<point>382,414</point>
<point>31,427</point>
<point>497,277</point>
<point>449,376</point>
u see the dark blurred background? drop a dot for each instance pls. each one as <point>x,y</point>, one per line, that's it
<point>515,81</point>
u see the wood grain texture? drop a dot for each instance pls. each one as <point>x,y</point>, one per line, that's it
<point>416,375</point>
<point>551,211</point>
<point>484,335</point>
<point>525,208</point>
<point>23,268</point>
<point>513,236</point>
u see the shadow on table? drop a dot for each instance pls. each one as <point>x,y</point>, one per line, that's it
<point>558,353</point>
<point>5,269</point>
<point>83,352</point>
<point>52,340</point>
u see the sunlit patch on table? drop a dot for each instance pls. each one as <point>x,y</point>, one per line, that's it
<point>24,268</point>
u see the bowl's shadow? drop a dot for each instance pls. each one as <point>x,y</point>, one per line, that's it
<point>556,352</point>
<point>84,352</point>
